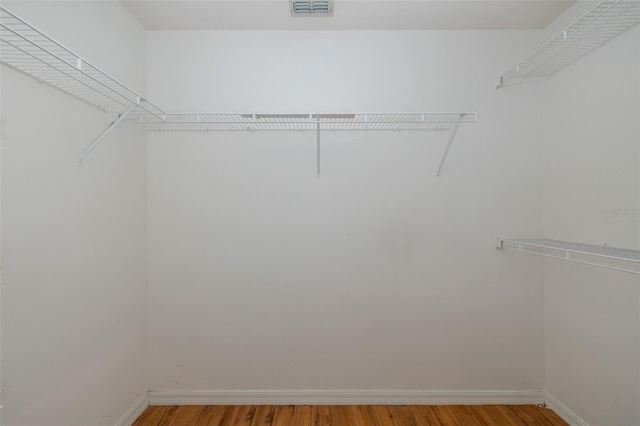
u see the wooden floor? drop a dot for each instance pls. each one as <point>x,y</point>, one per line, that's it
<point>348,415</point>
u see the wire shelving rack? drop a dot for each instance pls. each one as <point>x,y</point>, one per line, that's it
<point>602,23</point>
<point>24,47</point>
<point>27,49</point>
<point>310,122</point>
<point>302,122</point>
<point>624,260</point>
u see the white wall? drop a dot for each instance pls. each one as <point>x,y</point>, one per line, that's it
<point>73,238</point>
<point>591,175</point>
<point>378,275</point>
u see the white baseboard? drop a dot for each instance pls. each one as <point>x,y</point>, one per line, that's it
<point>343,397</point>
<point>560,409</point>
<point>135,411</point>
<point>347,397</point>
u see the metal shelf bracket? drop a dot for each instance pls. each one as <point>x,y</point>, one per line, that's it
<point>93,145</point>
<point>452,136</point>
<point>318,148</point>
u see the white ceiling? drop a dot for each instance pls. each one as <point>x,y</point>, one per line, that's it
<point>348,14</point>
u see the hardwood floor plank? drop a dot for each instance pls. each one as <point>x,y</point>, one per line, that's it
<point>542,414</point>
<point>283,415</point>
<point>349,415</point>
<point>251,414</point>
<point>424,415</point>
<point>260,415</point>
<point>405,415</point>
<point>532,418</point>
<point>303,415</point>
<point>206,415</point>
<point>363,416</point>
<point>185,415</point>
<point>167,416</point>
<point>456,415</point>
<point>385,415</point>
<point>342,415</point>
<point>223,416</point>
<point>243,415</point>
<point>322,416</point>
<point>150,416</point>
<point>263,416</point>
<point>495,415</point>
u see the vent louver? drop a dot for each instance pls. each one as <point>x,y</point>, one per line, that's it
<point>311,8</point>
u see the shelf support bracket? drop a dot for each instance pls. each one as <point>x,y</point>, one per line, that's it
<point>452,136</point>
<point>318,148</point>
<point>104,134</point>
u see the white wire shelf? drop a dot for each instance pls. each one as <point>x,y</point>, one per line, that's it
<point>308,122</point>
<point>302,122</point>
<point>27,49</point>
<point>624,260</point>
<point>596,27</point>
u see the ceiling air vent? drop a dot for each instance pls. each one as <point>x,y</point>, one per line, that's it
<point>311,8</point>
